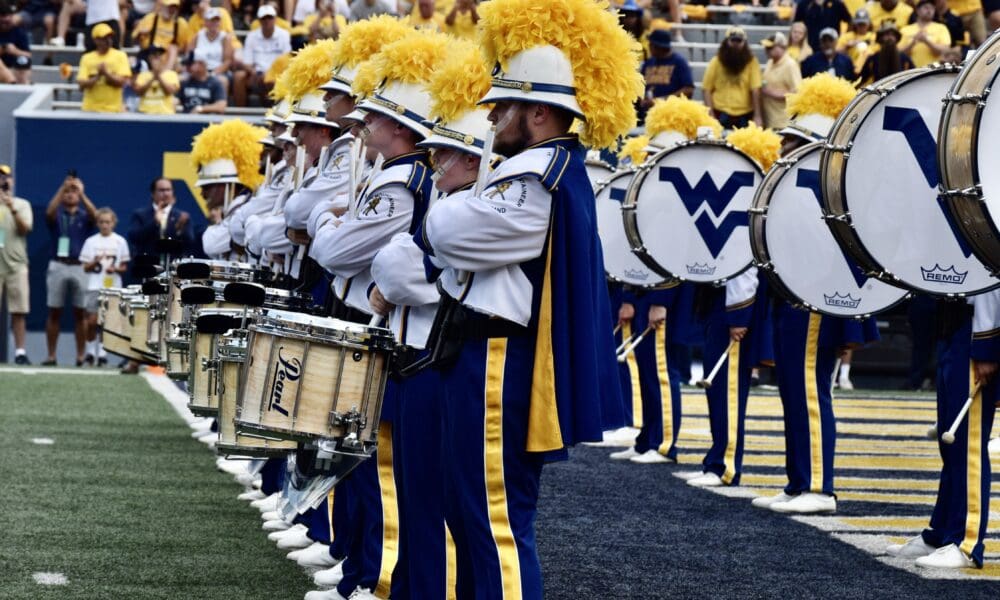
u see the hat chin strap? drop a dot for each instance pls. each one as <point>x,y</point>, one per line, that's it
<point>506,119</point>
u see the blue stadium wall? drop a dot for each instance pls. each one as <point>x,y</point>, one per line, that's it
<point>116,158</point>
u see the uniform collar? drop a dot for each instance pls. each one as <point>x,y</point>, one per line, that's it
<point>405,159</point>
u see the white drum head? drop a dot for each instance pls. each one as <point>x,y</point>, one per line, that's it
<point>598,172</point>
<point>804,254</point>
<point>691,210</point>
<point>620,263</point>
<point>891,192</point>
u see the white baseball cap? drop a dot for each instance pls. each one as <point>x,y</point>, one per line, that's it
<point>266,10</point>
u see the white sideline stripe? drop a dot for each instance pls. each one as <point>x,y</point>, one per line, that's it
<point>46,578</point>
<point>164,386</point>
<point>57,371</point>
<point>43,441</point>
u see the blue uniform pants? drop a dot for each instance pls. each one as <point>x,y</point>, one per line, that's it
<point>660,389</point>
<point>727,403</point>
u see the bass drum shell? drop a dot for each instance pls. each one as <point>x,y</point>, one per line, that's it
<point>620,263</point>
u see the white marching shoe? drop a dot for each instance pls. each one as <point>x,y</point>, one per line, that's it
<point>947,557</point>
<point>270,515</point>
<point>626,454</point>
<point>296,540</point>
<point>994,446</point>
<point>807,504</point>
<point>247,479</point>
<point>363,594</point>
<point>706,480</point>
<point>317,556</point>
<point>915,547</point>
<point>233,467</point>
<point>277,536</point>
<point>267,504</point>
<point>687,475</point>
<point>845,383</point>
<point>324,595</point>
<point>329,577</point>
<point>275,525</point>
<point>767,501</point>
<point>208,437</point>
<point>650,457</point>
<point>251,495</point>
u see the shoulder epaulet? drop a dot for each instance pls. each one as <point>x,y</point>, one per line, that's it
<point>418,177</point>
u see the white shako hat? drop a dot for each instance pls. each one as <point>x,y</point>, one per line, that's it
<point>541,74</point>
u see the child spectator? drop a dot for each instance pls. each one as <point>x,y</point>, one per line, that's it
<point>15,44</point>
<point>105,257</point>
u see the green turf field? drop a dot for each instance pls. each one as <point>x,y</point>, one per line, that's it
<point>123,503</point>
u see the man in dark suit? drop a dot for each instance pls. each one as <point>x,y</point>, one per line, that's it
<point>160,220</point>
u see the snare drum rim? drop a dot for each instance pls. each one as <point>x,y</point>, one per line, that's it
<point>631,173</point>
<point>630,204</point>
<point>972,218</point>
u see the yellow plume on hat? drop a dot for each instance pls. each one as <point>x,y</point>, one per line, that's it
<point>309,68</point>
<point>413,58</point>
<point>634,149</point>
<point>362,39</point>
<point>680,114</point>
<point>762,145</point>
<point>459,83</point>
<point>605,59</point>
<point>235,140</point>
<point>821,94</point>
<point>280,90</point>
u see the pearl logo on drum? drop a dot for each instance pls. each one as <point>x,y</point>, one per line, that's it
<point>940,275</point>
<point>288,370</point>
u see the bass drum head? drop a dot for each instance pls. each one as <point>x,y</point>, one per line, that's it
<point>598,172</point>
<point>620,263</point>
<point>891,192</point>
<point>687,211</point>
<point>804,256</point>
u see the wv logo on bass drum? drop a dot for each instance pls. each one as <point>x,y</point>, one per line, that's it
<point>286,371</point>
<point>706,204</point>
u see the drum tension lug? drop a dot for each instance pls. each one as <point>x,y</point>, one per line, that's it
<point>844,218</point>
<point>766,266</point>
<point>352,420</point>
<point>209,364</point>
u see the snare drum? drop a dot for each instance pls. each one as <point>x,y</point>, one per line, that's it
<point>113,308</point>
<point>965,152</point>
<point>796,249</point>
<point>881,187</point>
<point>232,353</point>
<point>686,211</point>
<point>314,377</point>
<point>620,263</point>
<point>138,320</point>
<point>203,366</point>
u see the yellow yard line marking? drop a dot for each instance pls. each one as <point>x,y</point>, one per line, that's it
<point>847,483</point>
<point>893,463</point>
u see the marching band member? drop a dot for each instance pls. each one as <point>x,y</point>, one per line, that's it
<point>394,200</point>
<point>227,155</point>
<point>403,292</point>
<point>737,324</point>
<point>967,366</point>
<point>668,123</point>
<point>806,344</point>
<point>274,243</point>
<point>523,273</point>
<point>247,224</point>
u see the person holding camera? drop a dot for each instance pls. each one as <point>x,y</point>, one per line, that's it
<point>69,225</point>
<point>15,225</point>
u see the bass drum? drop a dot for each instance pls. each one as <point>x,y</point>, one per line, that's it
<point>790,240</point>
<point>620,263</point>
<point>881,187</point>
<point>965,151</point>
<point>598,171</point>
<point>686,211</point>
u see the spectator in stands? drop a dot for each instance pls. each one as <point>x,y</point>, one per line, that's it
<point>971,13</point>
<point>102,73</point>
<point>888,60</point>
<point>943,15</point>
<point>325,24</point>
<point>461,19</point>
<point>731,85</point>
<point>819,15</point>
<point>630,18</point>
<point>364,9</point>
<point>105,258</point>
<point>798,46</point>
<point>925,41</point>
<point>38,13</point>
<point>95,11</point>
<point>164,28</point>
<point>666,72</point>
<point>69,226</point>
<point>882,10</point>
<point>859,40</point>
<point>261,48</point>
<point>828,60</point>
<point>425,17</point>
<point>15,44</point>
<point>15,224</point>
<point>201,93</point>
<point>201,17</point>
<point>157,86</point>
<point>781,77</point>
<point>303,9</point>
<point>213,45</point>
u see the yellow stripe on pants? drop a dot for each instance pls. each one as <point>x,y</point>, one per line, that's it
<point>390,510</point>
<point>732,411</point>
<point>451,566</point>
<point>812,406</point>
<point>973,469</point>
<point>666,398</point>
<point>496,492</point>
<point>633,373</point>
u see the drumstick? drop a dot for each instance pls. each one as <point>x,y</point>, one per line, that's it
<point>948,437</point>
<point>617,328</point>
<point>375,320</point>
<point>707,382</point>
<point>622,356</point>
<point>625,342</point>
